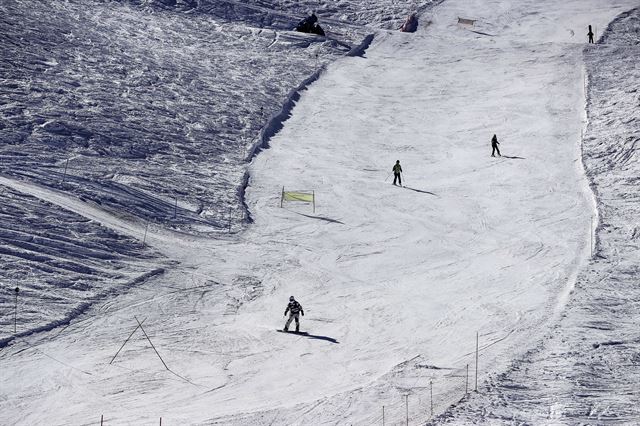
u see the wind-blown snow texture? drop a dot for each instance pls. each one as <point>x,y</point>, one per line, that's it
<point>151,104</point>
<point>587,370</point>
<point>60,261</point>
<point>155,109</point>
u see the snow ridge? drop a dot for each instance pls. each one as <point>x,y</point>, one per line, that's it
<point>276,122</point>
<point>81,308</point>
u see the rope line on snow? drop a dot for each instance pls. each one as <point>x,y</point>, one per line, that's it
<point>125,342</point>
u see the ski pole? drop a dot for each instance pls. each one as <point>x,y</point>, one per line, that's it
<point>385,179</point>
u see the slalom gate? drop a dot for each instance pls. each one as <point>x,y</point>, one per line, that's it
<point>303,196</point>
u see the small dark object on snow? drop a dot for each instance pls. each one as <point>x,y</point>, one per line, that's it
<point>410,25</point>
<point>310,25</point>
<point>494,146</point>
<point>300,333</point>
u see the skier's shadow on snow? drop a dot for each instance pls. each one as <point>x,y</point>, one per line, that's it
<point>313,336</point>
<point>420,191</point>
<point>310,336</point>
<point>513,157</point>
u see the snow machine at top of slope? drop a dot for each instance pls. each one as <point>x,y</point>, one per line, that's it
<point>410,25</point>
<point>310,25</point>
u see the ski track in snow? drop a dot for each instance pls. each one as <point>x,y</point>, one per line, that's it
<point>402,280</point>
<point>586,369</point>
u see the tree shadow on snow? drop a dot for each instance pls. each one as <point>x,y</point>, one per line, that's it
<point>513,157</point>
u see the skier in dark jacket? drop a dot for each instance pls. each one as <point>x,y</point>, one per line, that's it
<point>294,309</point>
<point>494,146</point>
<point>590,34</point>
<point>397,172</point>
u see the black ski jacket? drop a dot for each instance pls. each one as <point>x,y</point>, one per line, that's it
<point>294,307</point>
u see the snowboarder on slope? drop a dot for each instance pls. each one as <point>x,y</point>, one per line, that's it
<point>294,309</point>
<point>590,34</point>
<point>397,171</point>
<point>494,146</point>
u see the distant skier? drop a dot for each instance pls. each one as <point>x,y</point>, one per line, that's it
<point>294,309</point>
<point>590,34</point>
<point>397,173</point>
<point>494,146</point>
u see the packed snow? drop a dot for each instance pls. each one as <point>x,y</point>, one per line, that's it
<point>395,281</point>
<point>585,371</point>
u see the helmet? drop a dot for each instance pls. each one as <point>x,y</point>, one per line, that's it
<point>291,299</point>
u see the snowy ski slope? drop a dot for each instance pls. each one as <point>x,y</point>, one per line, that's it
<point>585,370</point>
<point>148,111</point>
<point>395,282</point>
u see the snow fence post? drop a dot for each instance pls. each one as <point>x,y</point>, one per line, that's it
<point>591,236</point>
<point>282,197</point>
<point>125,342</point>
<point>383,415</point>
<point>313,194</point>
<point>477,345</point>
<point>466,382</point>
<point>64,176</point>
<point>431,392</point>
<point>146,227</point>
<point>101,419</point>
<point>406,404</point>
<point>151,343</point>
<point>15,312</point>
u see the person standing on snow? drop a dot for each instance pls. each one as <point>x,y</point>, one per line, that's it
<point>397,171</point>
<point>494,146</point>
<point>590,34</point>
<point>294,309</point>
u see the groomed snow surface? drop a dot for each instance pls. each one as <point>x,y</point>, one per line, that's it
<point>585,371</point>
<point>395,282</point>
